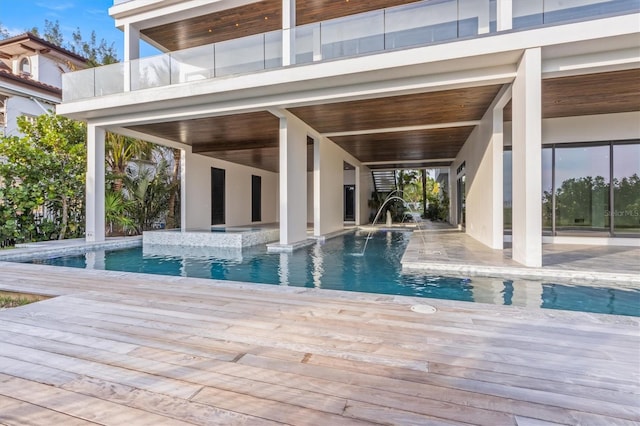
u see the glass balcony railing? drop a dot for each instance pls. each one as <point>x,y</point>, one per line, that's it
<point>414,24</point>
<point>532,13</point>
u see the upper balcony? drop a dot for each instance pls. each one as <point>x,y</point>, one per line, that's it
<point>401,27</point>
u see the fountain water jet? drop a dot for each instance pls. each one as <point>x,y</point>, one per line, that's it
<point>389,198</point>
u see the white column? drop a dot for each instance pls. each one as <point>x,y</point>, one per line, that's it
<point>94,217</point>
<point>497,152</point>
<point>196,191</point>
<point>293,181</point>
<point>328,191</point>
<point>288,31</point>
<point>131,52</point>
<point>504,15</point>
<point>527,160</point>
<point>183,189</point>
<point>357,195</point>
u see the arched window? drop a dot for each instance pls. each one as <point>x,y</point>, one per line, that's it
<point>25,66</point>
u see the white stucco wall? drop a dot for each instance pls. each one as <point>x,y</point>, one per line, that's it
<point>310,185</point>
<point>364,188</point>
<point>329,186</point>
<point>48,71</point>
<point>237,192</point>
<point>477,153</point>
<point>17,106</point>
<point>482,154</point>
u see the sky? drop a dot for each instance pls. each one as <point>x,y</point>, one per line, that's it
<point>20,15</point>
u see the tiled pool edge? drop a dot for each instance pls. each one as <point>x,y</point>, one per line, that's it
<point>505,272</point>
<point>66,247</point>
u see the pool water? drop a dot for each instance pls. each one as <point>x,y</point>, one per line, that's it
<point>341,265</point>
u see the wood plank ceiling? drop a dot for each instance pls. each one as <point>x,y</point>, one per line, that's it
<point>220,26</point>
<point>252,139</point>
<point>590,94</point>
<point>252,19</point>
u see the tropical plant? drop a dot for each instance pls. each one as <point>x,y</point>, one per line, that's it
<point>42,179</point>
<point>120,151</point>
<point>147,189</point>
<point>115,207</point>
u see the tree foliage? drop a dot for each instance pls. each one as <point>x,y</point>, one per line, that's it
<point>4,32</point>
<point>96,52</point>
<point>42,179</point>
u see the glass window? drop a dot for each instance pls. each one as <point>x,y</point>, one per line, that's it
<point>25,66</point>
<point>626,188</point>
<point>547,190</point>
<point>582,189</point>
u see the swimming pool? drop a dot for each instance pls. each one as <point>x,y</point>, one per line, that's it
<point>339,264</point>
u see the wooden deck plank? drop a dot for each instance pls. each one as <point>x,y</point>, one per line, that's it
<point>237,333</point>
<point>14,412</point>
<point>155,350</point>
<point>79,405</point>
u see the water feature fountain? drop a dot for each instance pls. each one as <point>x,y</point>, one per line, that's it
<point>392,196</point>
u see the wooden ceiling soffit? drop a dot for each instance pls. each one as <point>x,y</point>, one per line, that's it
<point>590,94</point>
<point>406,146</point>
<point>323,10</point>
<point>448,106</point>
<point>602,93</point>
<point>219,26</point>
<point>230,130</point>
<point>410,165</point>
<point>264,158</point>
<point>230,146</point>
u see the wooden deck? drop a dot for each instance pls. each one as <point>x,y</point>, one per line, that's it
<point>124,349</point>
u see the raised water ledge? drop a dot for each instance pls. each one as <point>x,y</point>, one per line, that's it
<point>232,239</point>
<point>46,249</point>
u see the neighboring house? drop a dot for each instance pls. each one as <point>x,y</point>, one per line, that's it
<point>31,78</point>
<point>278,106</point>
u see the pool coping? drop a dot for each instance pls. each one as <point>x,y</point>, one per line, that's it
<point>55,248</point>
<point>514,272</point>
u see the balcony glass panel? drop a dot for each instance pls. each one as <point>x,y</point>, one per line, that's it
<point>150,72</point>
<point>531,13</point>
<point>307,43</point>
<point>192,64</point>
<point>78,85</point>
<point>527,13</point>
<point>109,79</point>
<point>353,35</point>
<point>474,17</point>
<point>240,56</point>
<point>567,10</point>
<point>421,23</point>
<point>273,49</point>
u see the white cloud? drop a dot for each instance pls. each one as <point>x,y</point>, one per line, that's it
<point>15,31</point>
<point>58,7</point>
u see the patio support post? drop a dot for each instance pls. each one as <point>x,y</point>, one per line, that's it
<point>288,32</point>
<point>94,218</point>
<point>131,52</point>
<point>527,160</point>
<point>293,181</point>
<point>183,189</point>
